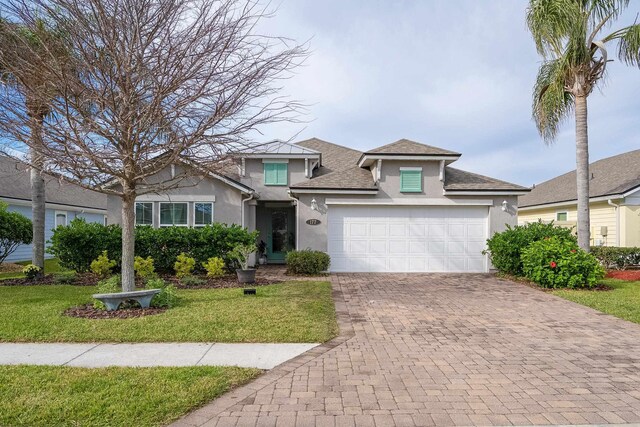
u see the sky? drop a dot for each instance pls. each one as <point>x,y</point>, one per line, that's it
<point>456,74</point>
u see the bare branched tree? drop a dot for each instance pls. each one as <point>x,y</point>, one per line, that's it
<point>149,84</point>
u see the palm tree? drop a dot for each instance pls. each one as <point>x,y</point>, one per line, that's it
<point>19,69</point>
<point>568,35</point>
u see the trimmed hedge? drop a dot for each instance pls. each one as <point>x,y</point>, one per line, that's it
<point>615,257</point>
<point>307,262</point>
<point>79,243</point>
<point>505,248</point>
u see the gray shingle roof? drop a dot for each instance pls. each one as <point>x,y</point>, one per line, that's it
<point>15,184</point>
<point>459,180</point>
<point>408,147</point>
<point>610,176</point>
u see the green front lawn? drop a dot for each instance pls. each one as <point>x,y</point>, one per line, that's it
<point>63,396</point>
<point>622,301</point>
<point>288,312</point>
<point>50,266</point>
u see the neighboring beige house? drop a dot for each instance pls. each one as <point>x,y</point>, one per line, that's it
<point>396,208</point>
<point>614,201</point>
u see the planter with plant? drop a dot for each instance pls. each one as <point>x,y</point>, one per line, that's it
<point>262,253</point>
<point>242,254</point>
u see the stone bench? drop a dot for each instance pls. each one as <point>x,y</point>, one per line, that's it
<point>113,301</point>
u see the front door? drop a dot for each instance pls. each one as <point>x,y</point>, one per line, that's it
<point>280,233</point>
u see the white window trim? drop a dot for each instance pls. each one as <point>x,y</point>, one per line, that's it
<point>66,217</point>
<point>172,225</point>
<point>275,160</point>
<point>562,212</point>
<point>153,211</point>
<point>411,169</point>
<point>194,214</point>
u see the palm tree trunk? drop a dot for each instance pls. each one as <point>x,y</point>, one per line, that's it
<point>38,208</point>
<point>582,172</point>
<point>128,241</point>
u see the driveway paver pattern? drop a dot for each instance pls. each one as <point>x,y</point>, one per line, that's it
<point>446,349</point>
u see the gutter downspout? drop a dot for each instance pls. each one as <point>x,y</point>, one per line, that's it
<point>297,201</point>
<point>610,202</point>
<point>251,196</point>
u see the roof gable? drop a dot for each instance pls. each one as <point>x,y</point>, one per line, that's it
<point>407,147</point>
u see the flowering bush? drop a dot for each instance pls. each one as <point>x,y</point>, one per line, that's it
<point>31,271</point>
<point>558,263</point>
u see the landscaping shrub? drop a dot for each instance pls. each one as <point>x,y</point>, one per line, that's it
<point>143,267</point>
<point>79,243</point>
<point>556,262</point>
<point>505,248</point>
<point>241,254</point>
<point>168,296</point>
<point>616,258</point>
<point>184,265</point>
<point>64,277</point>
<point>307,262</point>
<point>15,230</point>
<point>192,281</point>
<point>102,265</point>
<point>31,271</point>
<point>107,286</point>
<point>214,267</point>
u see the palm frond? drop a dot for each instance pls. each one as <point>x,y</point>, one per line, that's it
<point>551,22</point>
<point>552,103</point>
<point>629,45</point>
<point>605,10</point>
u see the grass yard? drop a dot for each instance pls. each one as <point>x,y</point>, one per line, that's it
<point>622,301</point>
<point>63,396</point>
<point>50,266</point>
<point>288,312</point>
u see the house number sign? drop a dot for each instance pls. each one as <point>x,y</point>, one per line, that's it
<point>313,221</point>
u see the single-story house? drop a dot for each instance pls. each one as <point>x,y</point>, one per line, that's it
<point>614,201</point>
<point>396,208</point>
<point>64,201</point>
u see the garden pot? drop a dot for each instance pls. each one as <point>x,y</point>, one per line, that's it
<point>246,276</point>
<point>262,260</point>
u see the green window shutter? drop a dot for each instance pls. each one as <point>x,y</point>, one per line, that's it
<point>275,174</point>
<point>411,181</point>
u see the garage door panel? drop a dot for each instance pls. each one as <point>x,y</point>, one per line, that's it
<point>409,238</point>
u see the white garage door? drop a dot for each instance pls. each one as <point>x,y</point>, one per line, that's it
<point>407,238</point>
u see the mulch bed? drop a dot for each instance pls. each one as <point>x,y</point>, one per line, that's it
<point>88,312</point>
<point>10,267</point>
<point>83,279</point>
<point>630,275</point>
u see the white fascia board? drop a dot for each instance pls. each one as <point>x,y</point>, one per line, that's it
<point>484,193</point>
<point>320,191</point>
<point>571,202</point>
<point>55,206</point>
<point>411,169</point>
<point>164,198</point>
<point>410,202</point>
<point>367,159</point>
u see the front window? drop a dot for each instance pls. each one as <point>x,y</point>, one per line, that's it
<point>562,216</point>
<point>144,213</point>
<point>61,218</point>
<point>202,214</point>
<point>173,214</point>
<point>275,173</point>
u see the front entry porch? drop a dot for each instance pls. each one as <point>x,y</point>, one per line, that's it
<point>276,222</point>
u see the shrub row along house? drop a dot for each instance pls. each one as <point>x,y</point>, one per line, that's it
<point>614,201</point>
<point>64,201</point>
<point>397,208</point>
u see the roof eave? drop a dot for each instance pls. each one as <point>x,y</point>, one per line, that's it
<point>367,159</point>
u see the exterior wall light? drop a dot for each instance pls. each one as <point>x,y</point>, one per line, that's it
<point>314,205</point>
<point>504,205</point>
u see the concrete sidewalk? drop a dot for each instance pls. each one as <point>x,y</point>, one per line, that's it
<point>95,355</point>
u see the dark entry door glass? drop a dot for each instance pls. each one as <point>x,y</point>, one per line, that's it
<point>279,234</point>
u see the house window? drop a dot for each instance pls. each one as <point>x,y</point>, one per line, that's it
<point>61,218</point>
<point>144,213</point>
<point>275,173</point>
<point>173,214</point>
<point>562,216</point>
<point>411,180</point>
<point>202,214</point>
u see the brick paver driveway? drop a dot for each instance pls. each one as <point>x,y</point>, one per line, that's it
<point>449,350</point>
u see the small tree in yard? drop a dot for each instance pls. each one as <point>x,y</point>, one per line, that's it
<point>156,83</point>
<point>15,230</point>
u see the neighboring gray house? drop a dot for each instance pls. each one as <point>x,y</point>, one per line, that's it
<point>397,208</point>
<point>64,201</point>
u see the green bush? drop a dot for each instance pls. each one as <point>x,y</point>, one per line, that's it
<point>102,265</point>
<point>307,262</point>
<point>184,265</point>
<point>143,268</point>
<point>555,262</point>
<point>616,258</point>
<point>64,277</point>
<point>192,281</point>
<point>108,286</point>
<point>168,296</point>
<point>15,230</point>
<point>214,267</point>
<point>79,243</point>
<point>505,248</point>
<point>31,271</point>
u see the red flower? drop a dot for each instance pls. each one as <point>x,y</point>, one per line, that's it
<point>553,264</point>
<point>573,251</point>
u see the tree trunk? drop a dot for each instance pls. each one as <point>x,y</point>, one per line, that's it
<point>582,173</point>
<point>38,207</point>
<point>128,240</point>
